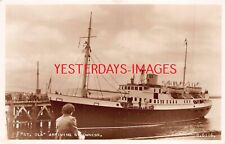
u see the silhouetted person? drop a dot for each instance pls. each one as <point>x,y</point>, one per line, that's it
<point>139,103</point>
<point>66,125</point>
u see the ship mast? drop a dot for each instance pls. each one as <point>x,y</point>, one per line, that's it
<point>86,60</point>
<point>38,90</point>
<point>185,62</point>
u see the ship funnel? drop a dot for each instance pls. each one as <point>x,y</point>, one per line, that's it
<point>152,79</point>
<point>132,80</point>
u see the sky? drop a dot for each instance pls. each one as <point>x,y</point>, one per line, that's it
<point>143,34</point>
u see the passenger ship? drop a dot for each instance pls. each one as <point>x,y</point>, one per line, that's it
<point>141,103</point>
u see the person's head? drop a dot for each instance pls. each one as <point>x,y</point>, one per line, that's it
<point>68,109</point>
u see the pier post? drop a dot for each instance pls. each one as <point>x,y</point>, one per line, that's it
<point>53,123</point>
<point>10,120</point>
<point>34,120</point>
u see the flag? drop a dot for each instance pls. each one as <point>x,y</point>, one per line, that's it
<point>49,83</point>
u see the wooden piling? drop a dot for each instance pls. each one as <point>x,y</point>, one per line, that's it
<point>24,119</point>
<point>34,119</point>
<point>10,120</point>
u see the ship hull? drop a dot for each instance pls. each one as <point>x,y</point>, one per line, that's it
<point>100,116</point>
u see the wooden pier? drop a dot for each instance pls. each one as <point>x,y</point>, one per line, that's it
<point>29,115</point>
<point>29,119</point>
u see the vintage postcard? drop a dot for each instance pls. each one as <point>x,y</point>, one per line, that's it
<point>115,71</point>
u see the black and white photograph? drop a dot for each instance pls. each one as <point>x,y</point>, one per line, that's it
<point>113,71</point>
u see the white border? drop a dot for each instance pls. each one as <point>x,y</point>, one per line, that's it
<point>223,73</point>
<point>2,72</point>
<point>3,3</point>
<point>202,2</point>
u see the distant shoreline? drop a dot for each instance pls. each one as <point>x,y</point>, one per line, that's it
<point>215,97</point>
